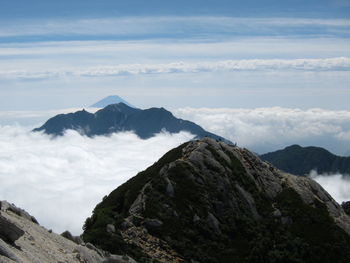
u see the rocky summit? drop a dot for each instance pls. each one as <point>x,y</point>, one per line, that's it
<point>23,240</point>
<point>207,201</point>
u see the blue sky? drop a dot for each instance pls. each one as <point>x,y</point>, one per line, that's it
<point>88,8</point>
<point>248,54</point>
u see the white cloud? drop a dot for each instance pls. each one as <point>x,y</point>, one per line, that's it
<point>328,64</point>
<point>171,25</point>
<point>268,129</point>
<point>337,185</point>
<point>61,180</point>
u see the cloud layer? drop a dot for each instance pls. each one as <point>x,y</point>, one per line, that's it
<point>328,64</point>
<point>269,129</point>
<point>336,185</point>
<point>60,181</point>
<point>173,27</point>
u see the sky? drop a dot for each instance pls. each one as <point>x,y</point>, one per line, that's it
<point>235,54</point>
<point>264,74</point>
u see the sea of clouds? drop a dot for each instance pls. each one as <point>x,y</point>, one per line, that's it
<point>337,185</point>
<point>268,129</point>
<point>61,180</point>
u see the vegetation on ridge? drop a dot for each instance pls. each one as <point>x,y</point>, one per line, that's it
<point>216,213</point>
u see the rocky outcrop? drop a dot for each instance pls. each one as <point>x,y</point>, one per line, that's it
<point>346,207</point>
<point>207,201</point>
<point>23,240</point>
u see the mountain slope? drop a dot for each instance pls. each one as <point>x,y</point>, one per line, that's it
<point>23,240</point>
<point>301,160</point>
<point>207,201</point>
<point>110,100</point>
<point>120,117</point>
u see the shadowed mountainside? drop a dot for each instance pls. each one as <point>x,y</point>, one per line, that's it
<point>301,160</point>
<point>120,117</point>
<point>207,201</point>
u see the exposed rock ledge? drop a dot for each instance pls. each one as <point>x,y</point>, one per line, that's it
<point>23,240</point>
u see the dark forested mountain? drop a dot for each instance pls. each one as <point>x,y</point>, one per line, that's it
<point>207,201</point>
<point>301,160</point>
<point>120,117</point>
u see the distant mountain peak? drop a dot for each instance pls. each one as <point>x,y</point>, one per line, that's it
<point>120,117</point>
<point>299,160</point>
<point>113,99</point>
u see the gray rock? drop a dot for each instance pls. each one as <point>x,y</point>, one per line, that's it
<point>125,225</point>
<point>175,214</point>
<point>170,188</point>
<point>9,232</point>
<point>214,223</point>
<point>277,213</point>
<point>110,228</point>
<point>196,218</point>
<point>6,251</point>
<point>286,220</point>
<point>6,206</point>
<point>75,239</point>
<point>152,224</point>
<point>84,255</point>
<point>119,259</point>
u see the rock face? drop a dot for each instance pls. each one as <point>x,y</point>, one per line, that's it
<point>22,240</point>
<point>346,207</point>
<point>120,117</point>
<point>299,160</point>
<point>225,205</point>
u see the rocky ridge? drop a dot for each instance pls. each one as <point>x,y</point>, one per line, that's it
<point>207,201</point>
<point>23,240</point>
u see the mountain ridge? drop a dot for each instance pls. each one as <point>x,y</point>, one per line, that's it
<point>23,240</point>
<point>207,201</point>
<point>120,117</point>
<point>300,160</point>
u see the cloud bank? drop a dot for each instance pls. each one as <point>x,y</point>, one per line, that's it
<point>60,181</point>
<point>336,185</point>
<point>327,64</point>
<point>268,129</point>
<point>174,26</point>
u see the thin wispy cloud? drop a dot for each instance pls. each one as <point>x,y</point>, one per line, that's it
<point>174,27</point>
<point>329,64</point>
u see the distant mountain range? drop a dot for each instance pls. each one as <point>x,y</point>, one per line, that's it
<point>301,160</point>
<point>120,117</point>
<point>110,100</point>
